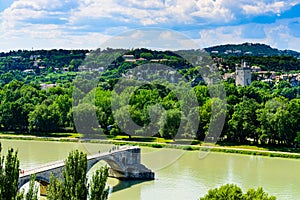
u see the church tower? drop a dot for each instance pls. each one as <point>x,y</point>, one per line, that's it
<point>243,75</point>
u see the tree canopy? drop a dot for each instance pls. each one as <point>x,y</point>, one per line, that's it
<point>233,192</point>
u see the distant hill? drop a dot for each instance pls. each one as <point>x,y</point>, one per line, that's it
<point>249,49</point>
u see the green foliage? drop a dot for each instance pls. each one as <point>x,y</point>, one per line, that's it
<point>170,122</point>
<point>259,112</point>
<point>9,178</point>
<point>75,181</point>
<point>225,192</point>
<point>258,54</point>
<point>55,190</point>
<point>258,194</point>
<point>33,190</point>
<point>44,118</point>
<point>244,121</point>
<point>98,190</point>
<point>233,192</point>
<point>9,175</point>
<point>146,55</point>
<point>21,60</point>
<point>74,186</point>
<point>85,118</point>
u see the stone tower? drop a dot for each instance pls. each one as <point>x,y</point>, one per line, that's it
<point>243,75</point>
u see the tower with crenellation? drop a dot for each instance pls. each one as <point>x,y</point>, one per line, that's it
<point>243,75</point>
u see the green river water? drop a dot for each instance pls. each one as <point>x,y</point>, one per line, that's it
<point>179,175</point>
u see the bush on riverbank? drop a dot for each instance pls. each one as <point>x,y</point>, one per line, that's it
<point>232,191</point>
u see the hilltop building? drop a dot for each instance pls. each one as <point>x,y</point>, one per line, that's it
<point>243,75</point>
<point>129,58</point>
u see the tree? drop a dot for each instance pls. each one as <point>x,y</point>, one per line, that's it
<point>9,178</point>
<point>244,121</point>
<point>55,189</point>
<point>258,194</point>
<point>268,119</point>
<point>146,55</point>
<point>17,101</point>
<point>284,126</point>
<point>202,94</point>
<point>212,113</point>
<point>45,117</point>
<point>205,115</point>
<point>98,190</point>
<point>169,123</point>
<point>85,119</point>
<point>233,192</point>
<point>33,190</point>
<point>75,181</point>
<point>64,104</point>
<point>74,186</point>
<point>6,78</point>
<point>225,192</point>
<point>9,175</point>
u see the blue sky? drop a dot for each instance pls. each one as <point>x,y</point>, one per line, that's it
<point>73,24</point>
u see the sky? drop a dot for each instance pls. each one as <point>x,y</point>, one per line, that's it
<point>88,24</point>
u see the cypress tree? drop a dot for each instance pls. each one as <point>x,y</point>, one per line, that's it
<point>75,181</point>
<point>98,190</point>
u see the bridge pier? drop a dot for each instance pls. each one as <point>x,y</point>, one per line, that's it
<point>138,172</point>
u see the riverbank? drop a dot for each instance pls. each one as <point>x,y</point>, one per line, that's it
<point>161,143</point>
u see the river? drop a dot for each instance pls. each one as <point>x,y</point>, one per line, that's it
<point>179,175</point>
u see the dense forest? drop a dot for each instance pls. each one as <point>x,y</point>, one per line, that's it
<point>259,113</point>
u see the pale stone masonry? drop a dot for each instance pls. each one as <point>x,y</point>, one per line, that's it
<point>243,75</point>
<point>124,162</point>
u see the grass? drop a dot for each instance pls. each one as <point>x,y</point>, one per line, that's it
<point>264,147</point>
<point>258,153</point>
<point>141,139</point>
<point>40,134</point>
<point>155,142</point>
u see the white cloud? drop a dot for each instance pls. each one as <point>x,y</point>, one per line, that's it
<point>36,4</point>
<point>154,12</point>
<point>222,35</point>
<point>277,35</point>
<point>215,10</point>
<point>145,4</point>
<point>138,34</point>
<point>21,12</point>
<point>34,21</point>
<point>42,38</point>
<point>280,36</point>
<point>154,38</point>
<point>261,7</point>
<point>166,35</point>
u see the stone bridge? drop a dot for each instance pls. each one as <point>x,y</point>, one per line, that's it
<point>124,163</point>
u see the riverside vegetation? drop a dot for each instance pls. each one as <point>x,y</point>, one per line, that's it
<point>231,191</point>
<point>257,114</point>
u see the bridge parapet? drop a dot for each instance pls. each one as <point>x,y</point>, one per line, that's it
<point>124,162</point>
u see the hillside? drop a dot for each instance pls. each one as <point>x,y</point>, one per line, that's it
<point>249,49</point>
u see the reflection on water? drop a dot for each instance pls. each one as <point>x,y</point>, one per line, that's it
<point>190,177</point>
<point>126,185</point>
<point>178,175</point>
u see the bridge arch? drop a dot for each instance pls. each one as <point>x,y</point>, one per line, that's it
<point>116,168</point>
<point>45,180</point>
<point>124,163</point>
<point>42,182</point>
